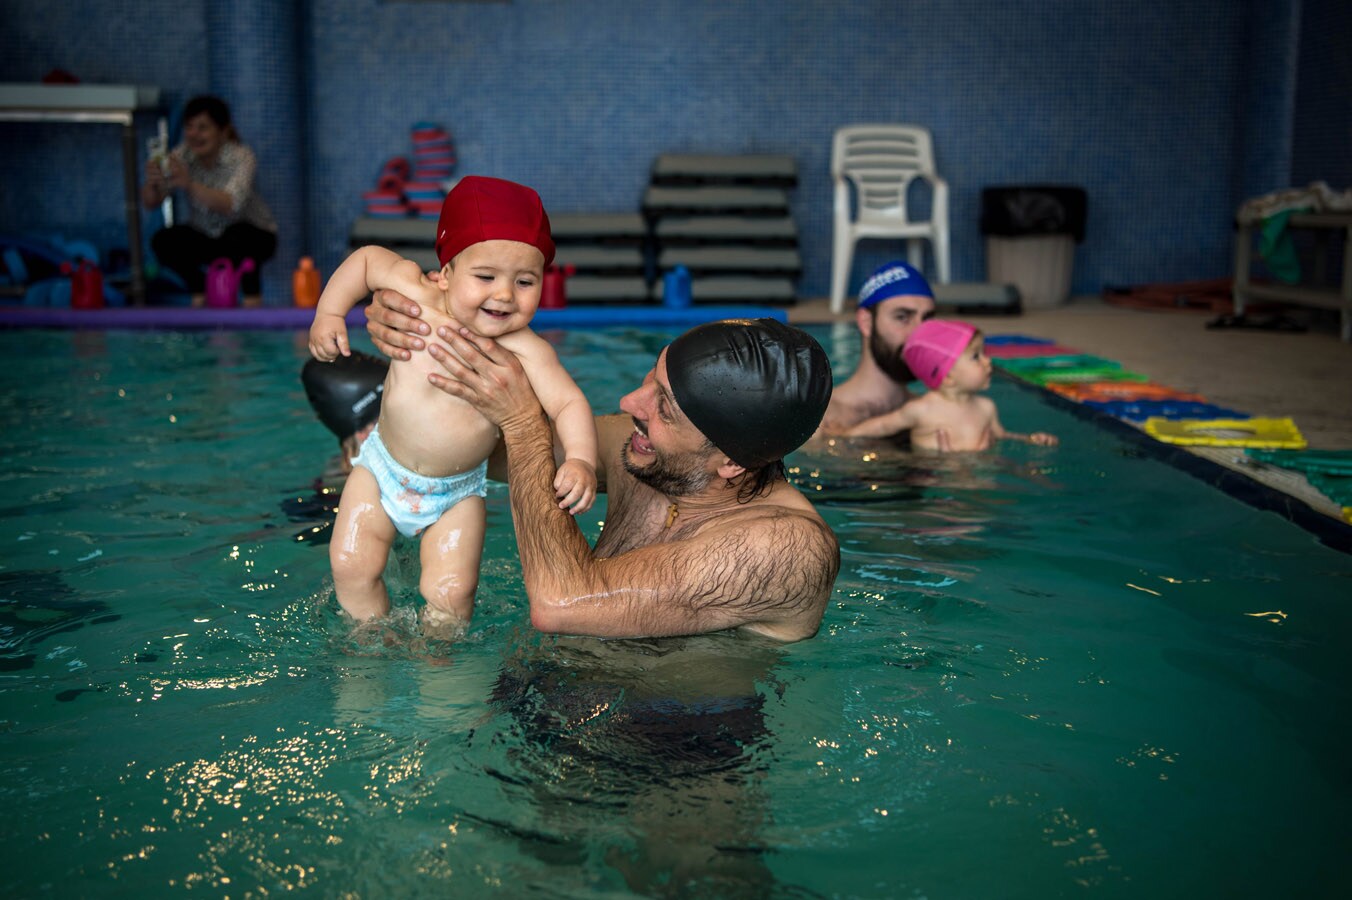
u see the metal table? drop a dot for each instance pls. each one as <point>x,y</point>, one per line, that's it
<point>1318,293</point>
<point>100,104</point>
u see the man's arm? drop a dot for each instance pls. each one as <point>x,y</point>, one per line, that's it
<point>768,570</point>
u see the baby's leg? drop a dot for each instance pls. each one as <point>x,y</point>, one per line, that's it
<point>451,548</point>
<point>360,547</point>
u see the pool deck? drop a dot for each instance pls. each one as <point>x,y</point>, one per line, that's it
<point>1305,376</point>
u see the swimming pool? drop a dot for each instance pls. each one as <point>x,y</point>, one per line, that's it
<point>1044,672</point>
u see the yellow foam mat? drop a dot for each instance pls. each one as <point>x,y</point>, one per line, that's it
<point>1256,432</point>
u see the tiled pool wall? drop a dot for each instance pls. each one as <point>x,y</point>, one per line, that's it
<point>1168,112</point>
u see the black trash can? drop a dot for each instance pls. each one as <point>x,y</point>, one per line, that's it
<point>1031,232</point>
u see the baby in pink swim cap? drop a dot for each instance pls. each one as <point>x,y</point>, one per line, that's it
<point>950,358</point>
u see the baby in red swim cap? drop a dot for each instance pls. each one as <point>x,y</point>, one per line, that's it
<point>422,470</point>
<point>950,358</point>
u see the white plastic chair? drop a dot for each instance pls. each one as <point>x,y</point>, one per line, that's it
<point>880,162</point>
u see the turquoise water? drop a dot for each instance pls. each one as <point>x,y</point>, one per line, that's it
<point>1044,672</point>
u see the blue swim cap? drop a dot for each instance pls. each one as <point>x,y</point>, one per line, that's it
<point>895,279</point>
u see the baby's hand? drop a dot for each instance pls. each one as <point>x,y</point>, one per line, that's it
<point>1043,439</point>
<point>328,337</point>
<point>575,486</point>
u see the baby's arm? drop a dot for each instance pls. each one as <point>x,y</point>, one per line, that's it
<point>903,418</point>
<point>568,409</point>
<point>365,270</point>
<point>1040,438</point>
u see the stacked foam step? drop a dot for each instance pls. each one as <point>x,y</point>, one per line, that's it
<point>433,153</point>
<point>413,239</point>
<point>607,253</point>
<point>606,250</point>
<point>415,188</point>
<point>387,201</point>
<point>727,220</point>
<point>433,160</point>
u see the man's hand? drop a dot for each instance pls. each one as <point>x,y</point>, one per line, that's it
<point>486,377</point>
<point>393,322</point>
<point>1043,439</point>
<point>575,485</point>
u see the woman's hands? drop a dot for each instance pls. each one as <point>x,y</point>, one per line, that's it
<point>177,176</point>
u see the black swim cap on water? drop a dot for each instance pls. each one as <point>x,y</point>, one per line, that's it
<point>345,393</point>
<point>756,388</point>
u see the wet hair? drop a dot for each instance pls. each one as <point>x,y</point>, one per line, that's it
<point>758,481</point>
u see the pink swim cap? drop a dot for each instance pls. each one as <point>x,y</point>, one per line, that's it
<point>933,347</point>
<point>490,209</point>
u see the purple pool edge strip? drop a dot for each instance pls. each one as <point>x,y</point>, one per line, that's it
<point>185,318</point>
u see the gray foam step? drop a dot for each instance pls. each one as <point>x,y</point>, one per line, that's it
<point>425,257</point>
<point>752,229</point>
<point>414,239</point>
<point>599,227</point>
<point>392,232</point>
<point>666,201</point>
<point>592,258</point>
<point>747,168</point>
<point>978,295</point>
<point>604,289</point>
<point>721,288</point>
<point>731,259</point>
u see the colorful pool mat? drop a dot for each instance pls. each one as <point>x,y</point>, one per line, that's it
<point>1071,359</point>
<point>1020,351</point>
<point>1123,390</point>
<point>1252,432</point>
<point>1140,410</point>
<point>1328,471</point>
<point>1169,415</point>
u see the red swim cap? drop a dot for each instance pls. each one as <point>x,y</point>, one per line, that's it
<point>490,209</point>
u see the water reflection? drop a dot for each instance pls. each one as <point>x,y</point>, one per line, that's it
<point>650,754</point>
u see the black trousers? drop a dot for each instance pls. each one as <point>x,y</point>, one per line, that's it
<point>188,252</point>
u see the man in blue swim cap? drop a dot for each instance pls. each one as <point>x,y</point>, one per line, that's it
<point>703,532</point>
<point>893,301</point>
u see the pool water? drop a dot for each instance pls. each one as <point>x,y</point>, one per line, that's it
<point>1044,672</point>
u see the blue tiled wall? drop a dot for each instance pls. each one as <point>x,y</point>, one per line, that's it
<point>1145,104</point>
<point>1322,136</point>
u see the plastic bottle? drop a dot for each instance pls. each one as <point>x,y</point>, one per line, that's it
<point>305,283</point>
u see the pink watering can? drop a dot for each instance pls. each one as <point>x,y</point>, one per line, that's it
<point>554,292</point>
<point>223,281</point>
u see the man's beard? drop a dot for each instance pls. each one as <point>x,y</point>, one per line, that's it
<point>888,358</point>
<point>674,476</point>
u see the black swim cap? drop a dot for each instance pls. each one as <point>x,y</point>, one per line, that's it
<point>757,388</point>
<point>345,393</point>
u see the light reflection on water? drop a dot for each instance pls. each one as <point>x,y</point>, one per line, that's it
<point>1061,670</point>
